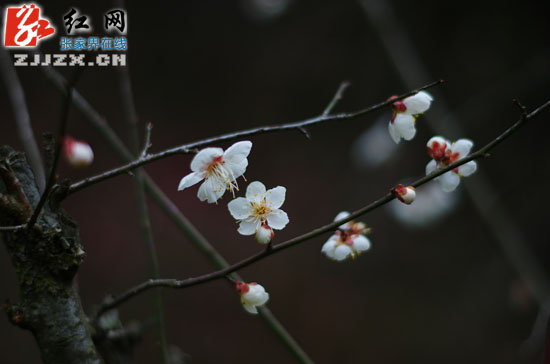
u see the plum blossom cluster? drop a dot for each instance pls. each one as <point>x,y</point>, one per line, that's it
<point>348,241</point>
<point>258,213</point>
<point>445,153</point>
<point>405,113</point>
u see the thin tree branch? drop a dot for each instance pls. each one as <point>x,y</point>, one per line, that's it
<point>337,97</point>
<point>175,283</point>
<point>22,118</point>
<point>169,208</point>
<point>57,154</point>
<point>147,145</point>
<point>191,147</point>
<point>143,211</point>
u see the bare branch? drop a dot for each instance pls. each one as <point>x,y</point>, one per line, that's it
<point>147,145</point>
<point>59,146</point>
<point>22,118</point>
<point>175,283</point>
<point>143,209</point>
<point>190,147</point>
<point>337,97</point>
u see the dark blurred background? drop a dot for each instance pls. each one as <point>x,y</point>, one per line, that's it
<point>440,284</point>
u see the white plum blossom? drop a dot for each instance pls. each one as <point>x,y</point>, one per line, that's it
<point>405,194</point>
<point>77,152</point>
<point>252,295</point>
<point>219,170</point>
<point>348,241</point>
<point>404,115</point>
<point>259,211</point>
<point>445,153</point>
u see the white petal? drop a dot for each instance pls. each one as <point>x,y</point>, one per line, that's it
<point>275,197</point>
<point>462,147</point>
<point>189,180</point>
<point>255,192</point>
<point>256,295</point>
<point>449,181</point>
<point>248,227</point>
<point>431,166</point>
<point>250,308</point>
<point>329,246</point>
<point>238,152</point>
<point>361,243</point>
<point>341,215</point>
<point>467,169</point>
<point>277,219</point>
<point>203,158</point>
<point>404,126</point>
<point>211,189</point>
<point>419,103</point>
<point>240,208</point>
<point>393,133</point>
<point>236,169</point>
<point>342,252</point>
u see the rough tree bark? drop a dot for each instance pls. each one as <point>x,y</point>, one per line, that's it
<point>46,258</point>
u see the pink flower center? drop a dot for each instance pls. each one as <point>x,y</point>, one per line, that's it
<point>241,287</point>
<point>442,155</point>
<point>213,167</point>
<point>398,106</point>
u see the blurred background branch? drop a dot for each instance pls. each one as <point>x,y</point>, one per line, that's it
<point>22,117</point>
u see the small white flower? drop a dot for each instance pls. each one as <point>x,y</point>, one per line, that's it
<point>252,295</point>
<point>78,153</point>
<point>259,208</point>
<point>445,153</point>
<point>348,241</point>
<point>405,194</point>
<point>219,170</point>
<point>404,115</point>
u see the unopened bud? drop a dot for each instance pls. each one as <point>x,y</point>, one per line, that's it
<point>405,194</point>
<point>264,234</point>
<point>78,153</point>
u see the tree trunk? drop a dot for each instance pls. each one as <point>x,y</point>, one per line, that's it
<point>46,258</point>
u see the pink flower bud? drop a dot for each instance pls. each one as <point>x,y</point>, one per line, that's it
<point>78,153</point>
<point>405,194</point>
